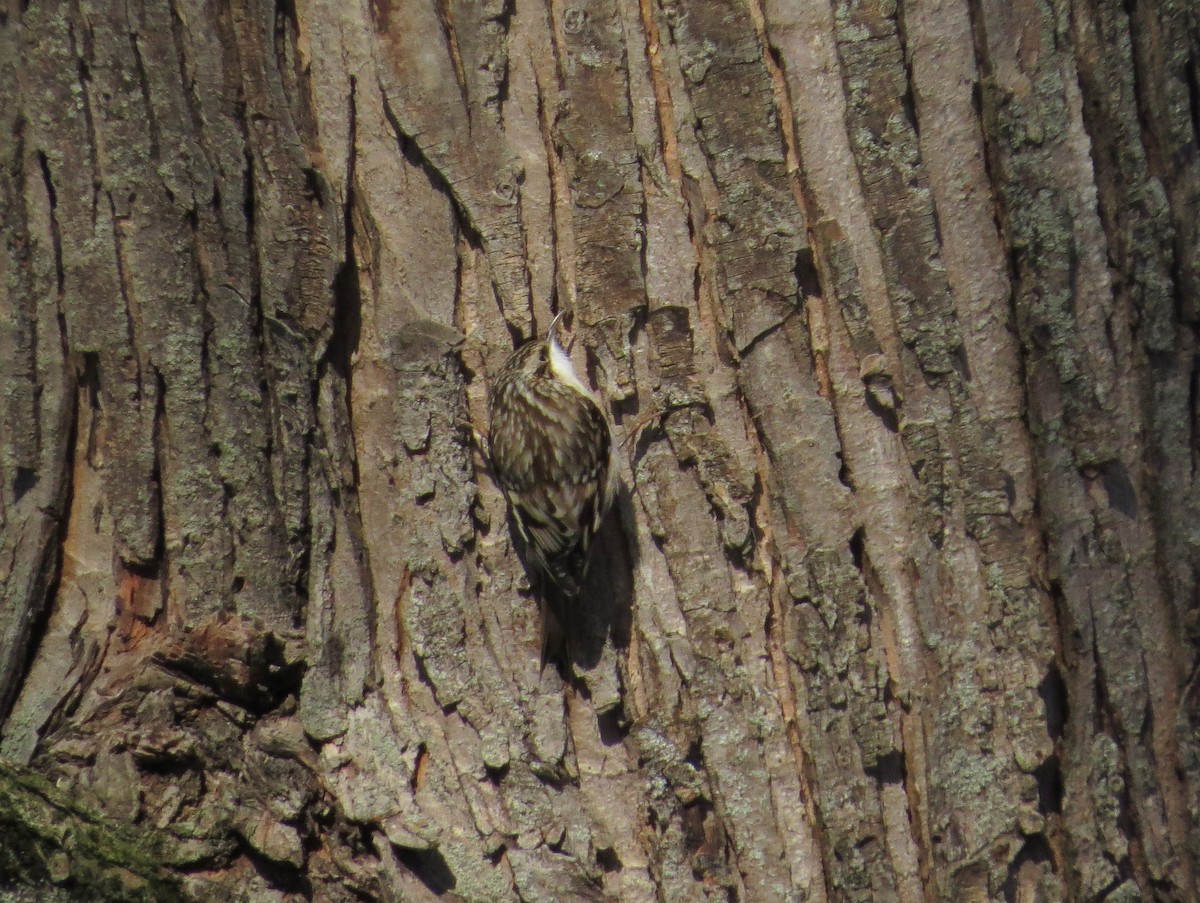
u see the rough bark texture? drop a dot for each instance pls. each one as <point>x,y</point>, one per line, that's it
<point>895,308</point>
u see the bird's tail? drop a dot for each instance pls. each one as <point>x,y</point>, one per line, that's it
<point>567,571</point>
<point>553,645</point>
<point>559,602</point>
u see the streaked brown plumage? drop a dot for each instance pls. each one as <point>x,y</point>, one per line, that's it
<point>552,453</point>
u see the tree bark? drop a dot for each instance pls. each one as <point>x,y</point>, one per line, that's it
<point>894,307</point>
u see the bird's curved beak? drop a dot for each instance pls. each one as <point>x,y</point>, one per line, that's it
<point>550,333</point>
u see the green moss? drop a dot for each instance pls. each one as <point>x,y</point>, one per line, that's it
<point>51,839</point>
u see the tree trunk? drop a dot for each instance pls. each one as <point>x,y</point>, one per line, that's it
<point>895,308</point>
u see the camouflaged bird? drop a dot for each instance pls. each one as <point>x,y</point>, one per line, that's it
<point>553,455</point>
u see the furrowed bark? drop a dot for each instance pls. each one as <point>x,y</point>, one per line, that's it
<point>894,308</point>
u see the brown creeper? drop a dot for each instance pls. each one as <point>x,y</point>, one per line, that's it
<point>552,453</point>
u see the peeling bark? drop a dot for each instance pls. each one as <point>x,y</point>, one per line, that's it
<point>895,310</point>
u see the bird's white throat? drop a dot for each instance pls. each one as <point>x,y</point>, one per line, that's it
<point>562,368</point>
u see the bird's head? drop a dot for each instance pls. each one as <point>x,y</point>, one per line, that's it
<point>545,358</point>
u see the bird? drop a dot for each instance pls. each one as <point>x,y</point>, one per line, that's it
<point>552,453</point>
